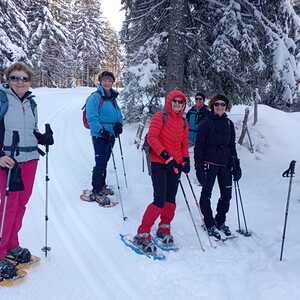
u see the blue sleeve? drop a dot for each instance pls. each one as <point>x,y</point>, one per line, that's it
<point>92,114</point>
<point>120,116</point>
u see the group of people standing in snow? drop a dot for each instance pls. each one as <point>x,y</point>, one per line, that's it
<point>170,134</point>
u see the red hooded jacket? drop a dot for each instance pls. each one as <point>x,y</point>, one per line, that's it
<point>171,135</point>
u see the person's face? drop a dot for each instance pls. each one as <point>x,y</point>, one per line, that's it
<point>219,107</point>
<point>107,83</point>
<point>177,105</point>
<point>199,101</point>
<point>19,81</point>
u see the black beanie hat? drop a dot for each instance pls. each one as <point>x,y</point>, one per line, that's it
<point>106,74</point>
<point>200,95</point>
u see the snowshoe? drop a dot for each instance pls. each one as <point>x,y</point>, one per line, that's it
<point>129,242</point>
<point>144,241</point>
<point>86,196</point>
<point>212,231</point>
<point>7,270</point>
<point>100,198</point>
<point>19,255</point>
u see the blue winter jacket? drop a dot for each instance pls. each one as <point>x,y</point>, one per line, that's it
<point>103,116</point>
<point>194,116</point>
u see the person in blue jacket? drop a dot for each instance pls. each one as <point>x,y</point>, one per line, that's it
<point>197,113</point>
<point>105,120</point>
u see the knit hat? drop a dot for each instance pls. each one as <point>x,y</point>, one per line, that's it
<point>219,98</point>
<point>106,75</point>
<point>200,95</point>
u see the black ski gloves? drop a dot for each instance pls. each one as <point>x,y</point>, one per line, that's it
<point>170,162</point>
<point>118,129</point>
<point>45,139</point>
<point>201,173</point>
<point>165,155</point>
<point>236,169</point>
<point>186,166</point>
<point>106,135</point>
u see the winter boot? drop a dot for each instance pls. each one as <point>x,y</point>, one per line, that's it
<point>144,241</point>
<point>164,229</point>
<point>225,229</point>
<point>100,198</point>
<point>212,231</point>
<point>19,254</point>
<point>107,190</point>
<point>165,238</point>
<point>7,269</point>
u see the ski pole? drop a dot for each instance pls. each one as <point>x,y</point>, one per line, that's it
<point>46,248</point>
<point>191,215</point>
<point>119,190</point>
<point>246,232</point>
<point>237,208</point>
<point>14,145</point>
<point>288,173</point>
<point>123,164</point>
<point>198,207</point>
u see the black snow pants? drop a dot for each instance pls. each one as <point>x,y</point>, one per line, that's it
<point>224,177</point>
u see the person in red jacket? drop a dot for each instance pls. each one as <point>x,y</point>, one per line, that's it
<point>168,139</point>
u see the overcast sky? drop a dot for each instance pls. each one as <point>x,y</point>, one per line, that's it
<point>111,10</point>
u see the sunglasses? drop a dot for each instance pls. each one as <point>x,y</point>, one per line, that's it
<point>177,101</point>
<point>223,104</point>
<point>199,99</point>
<point>18,78</point>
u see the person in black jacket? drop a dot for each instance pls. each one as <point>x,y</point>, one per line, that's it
<point>216,157</point>
<point>196,114</point>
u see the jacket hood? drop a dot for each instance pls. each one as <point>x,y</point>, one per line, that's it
<point>170,96</point>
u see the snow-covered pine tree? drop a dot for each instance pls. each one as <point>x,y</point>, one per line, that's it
<point>231,46</point>
<point>63,14</point>
<point>88,38</point>
<point>47,39</point>
<point>112,57</point>
<point>13,32</point>
<point>143,79</point>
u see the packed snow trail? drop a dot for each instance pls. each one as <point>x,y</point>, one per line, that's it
<point>88,261</point>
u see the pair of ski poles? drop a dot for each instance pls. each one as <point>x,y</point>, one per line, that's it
<point>238,199</point>
<point>191,215</point>
<point>117,177</point>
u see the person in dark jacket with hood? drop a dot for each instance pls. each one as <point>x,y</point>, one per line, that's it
<point>168,139</point>
<point>216,157</point>
<point>105,120</point>
<point>196,114</point>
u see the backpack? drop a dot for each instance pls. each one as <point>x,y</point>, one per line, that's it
<point>84,117</point>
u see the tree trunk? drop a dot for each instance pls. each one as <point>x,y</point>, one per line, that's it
<point>176,47</point>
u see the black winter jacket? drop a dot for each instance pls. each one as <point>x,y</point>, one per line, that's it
<point>215,141</point>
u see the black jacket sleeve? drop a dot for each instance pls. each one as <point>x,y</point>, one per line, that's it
<point>200,144</point>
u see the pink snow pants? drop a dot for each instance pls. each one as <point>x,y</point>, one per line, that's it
<point>16,206</point>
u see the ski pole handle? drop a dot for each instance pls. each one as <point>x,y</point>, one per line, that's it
<point>291,170</point>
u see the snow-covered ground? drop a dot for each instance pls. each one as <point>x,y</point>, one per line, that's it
<point>88,260</point>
